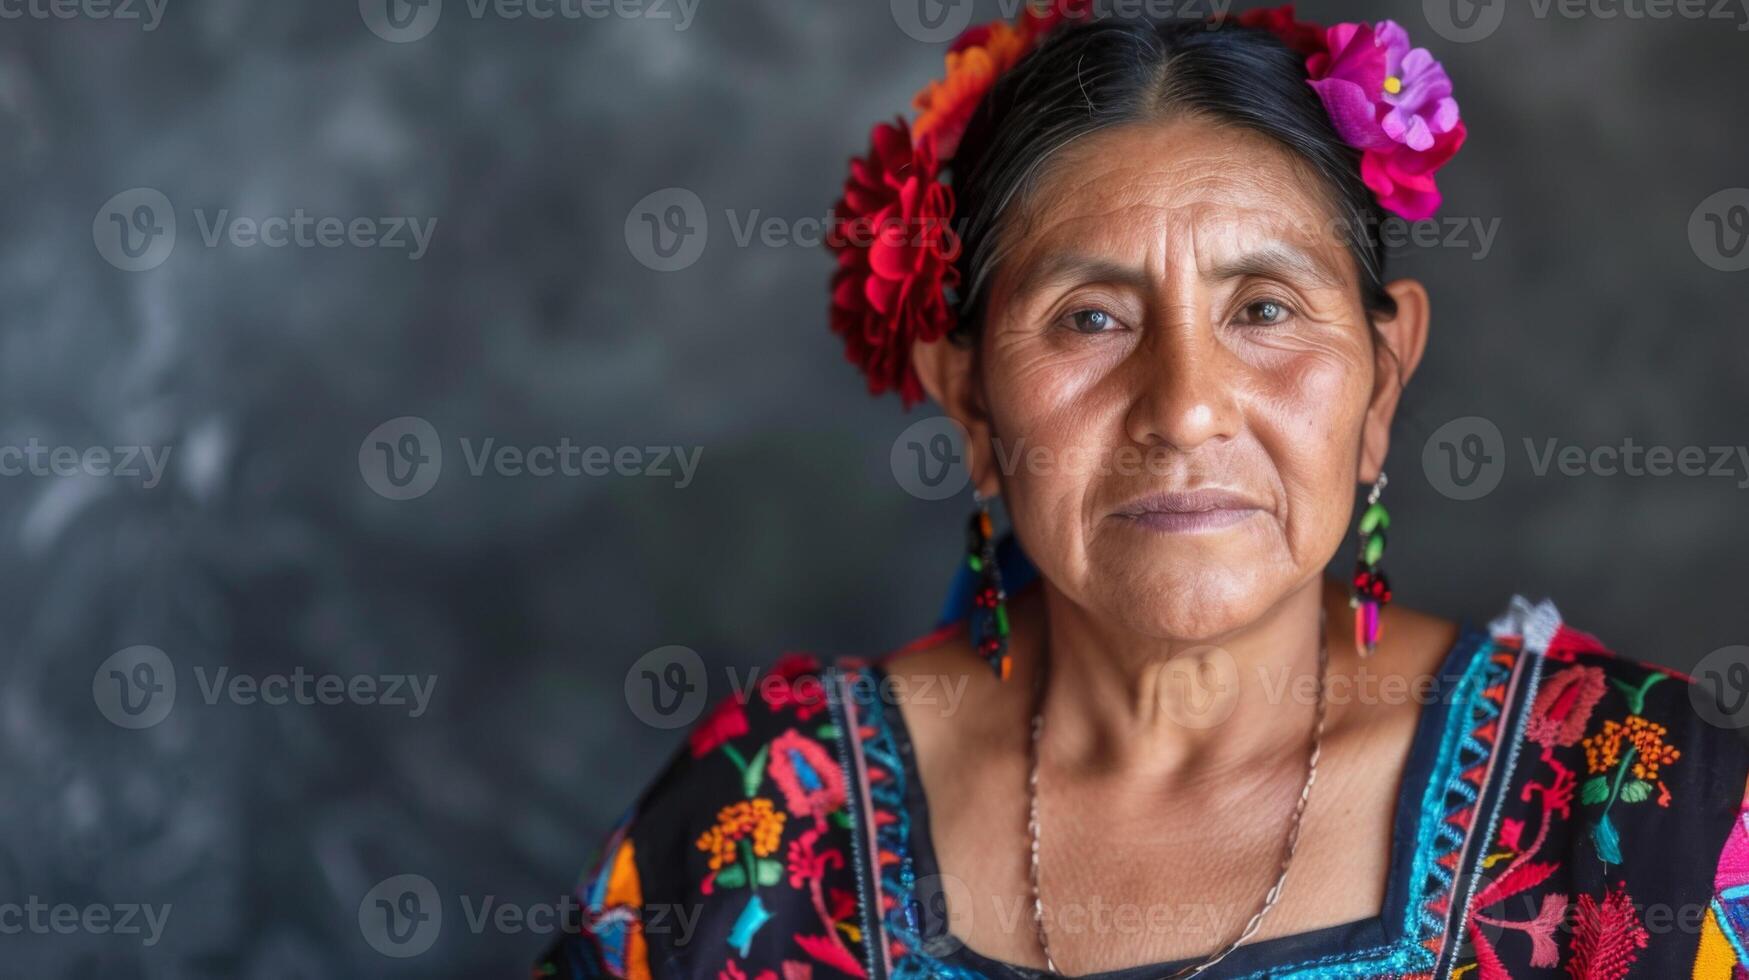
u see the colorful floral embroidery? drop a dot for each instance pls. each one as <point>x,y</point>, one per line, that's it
<point>1550,780</point>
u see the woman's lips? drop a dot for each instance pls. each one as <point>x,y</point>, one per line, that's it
<point>1196,510</point>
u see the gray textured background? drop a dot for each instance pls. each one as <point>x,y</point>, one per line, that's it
<point>530,320</point>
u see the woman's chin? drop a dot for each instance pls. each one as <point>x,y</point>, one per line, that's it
<point>1190,597</point>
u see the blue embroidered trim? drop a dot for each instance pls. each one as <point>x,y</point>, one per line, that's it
<point>860,859</point>
<point>892,836</point>
<point>1448,792</point>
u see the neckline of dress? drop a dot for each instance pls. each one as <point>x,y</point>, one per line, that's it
<point>1379,930</point>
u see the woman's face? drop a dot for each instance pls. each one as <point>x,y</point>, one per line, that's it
<point>1173,314</point>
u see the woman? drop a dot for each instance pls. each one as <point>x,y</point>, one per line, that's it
<point>1135,263</point>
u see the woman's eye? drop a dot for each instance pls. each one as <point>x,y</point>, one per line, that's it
<point>1091,321</point>
<point>1266,312</point>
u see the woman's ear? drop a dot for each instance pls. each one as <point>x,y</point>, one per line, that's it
<point>1395,360</point>
<point>949,372</point>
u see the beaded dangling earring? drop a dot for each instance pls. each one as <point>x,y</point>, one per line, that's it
<point>989,622</point>
<point>1372,591</point>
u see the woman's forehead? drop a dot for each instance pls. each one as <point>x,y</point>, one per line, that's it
<point>1187,190</point>
<point>1184,177</point>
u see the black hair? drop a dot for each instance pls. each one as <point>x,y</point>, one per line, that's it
<point>1093,76</point>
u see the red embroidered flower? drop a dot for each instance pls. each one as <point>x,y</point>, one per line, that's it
<point>794,680</point>
<point>728,720</point>
<point>807,774</point>
<point>806,864</point>
<point>1607,936</point>
<point>896,249</point>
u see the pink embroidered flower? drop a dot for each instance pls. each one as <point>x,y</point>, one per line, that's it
<point>1393,102</point>
<point>809,777</point>
<point>1563,707</point>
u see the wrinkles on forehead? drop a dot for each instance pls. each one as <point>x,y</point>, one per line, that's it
<point>1151,200</point>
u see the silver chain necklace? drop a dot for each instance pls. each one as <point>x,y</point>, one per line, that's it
<point>1293,833</point>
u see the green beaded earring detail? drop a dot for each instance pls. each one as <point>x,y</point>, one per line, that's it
<point>989,622</point>
<point>1372,590</point>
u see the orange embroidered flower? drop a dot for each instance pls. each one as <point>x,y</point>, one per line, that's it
<point>947,105</point>
<point>756,818</point>
<point>1648,738</point>
<point>1603,750</point>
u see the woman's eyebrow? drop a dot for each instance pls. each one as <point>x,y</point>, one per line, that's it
<point>1276,262</point>
<point>1059,268</point>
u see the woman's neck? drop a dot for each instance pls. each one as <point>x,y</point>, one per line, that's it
<point>1178,709</point>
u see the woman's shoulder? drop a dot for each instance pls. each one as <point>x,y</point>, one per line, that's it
<point>738,857</point>
<point>1638,752</point>
<point>1593,695</point>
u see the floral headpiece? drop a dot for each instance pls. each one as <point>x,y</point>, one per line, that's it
<point>893,233</point>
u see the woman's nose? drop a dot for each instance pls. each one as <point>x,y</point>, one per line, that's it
<point>1183,387</point>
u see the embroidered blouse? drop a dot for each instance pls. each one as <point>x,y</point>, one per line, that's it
<point>1565,812</point>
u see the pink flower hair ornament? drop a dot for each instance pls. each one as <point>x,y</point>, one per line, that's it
<point>892,234</point>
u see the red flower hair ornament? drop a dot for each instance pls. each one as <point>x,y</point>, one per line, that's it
<point>892,232</point>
